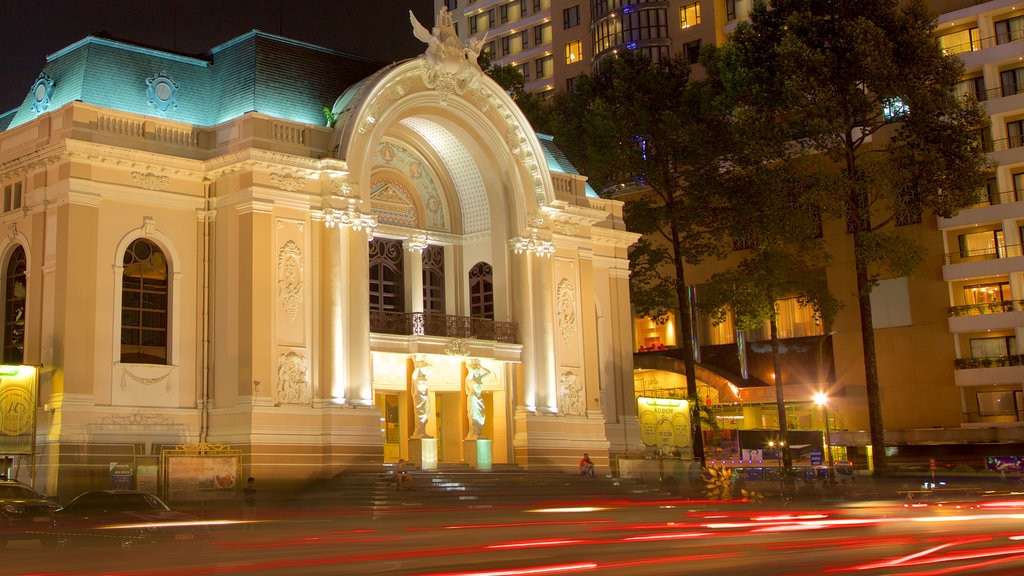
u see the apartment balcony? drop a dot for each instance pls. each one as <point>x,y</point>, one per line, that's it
<point>443,325</point>
<point>989,371</point>
<point>998,207</point>
<point>986,317</point>
<point>961,265</point>
<point>1003,417</point>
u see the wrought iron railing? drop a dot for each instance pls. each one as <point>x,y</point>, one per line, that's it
<point>986,308</point>
<point>429,324</point>
<point>990,361</point>
<point>991,416</point>
<point>993,253</point>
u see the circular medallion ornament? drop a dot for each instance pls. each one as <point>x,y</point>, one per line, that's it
<point>41,91</point>
<point>15,411</point>
<point>162,92</point>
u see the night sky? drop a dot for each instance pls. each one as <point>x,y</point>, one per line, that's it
<point>32,30</point>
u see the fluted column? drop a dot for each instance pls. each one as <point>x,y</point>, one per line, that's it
<point>356,321</point>
<point>522,306</point>
<point>331,301</point>
<point>348,367</point>
<point>531,267</point>
<point>413,271</point>
<point>544,333</point>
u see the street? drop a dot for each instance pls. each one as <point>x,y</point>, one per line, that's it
<point>613,536</point>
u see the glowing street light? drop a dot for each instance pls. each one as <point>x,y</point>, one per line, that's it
<point>821,399</point>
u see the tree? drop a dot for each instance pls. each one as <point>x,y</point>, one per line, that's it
<point>768,214</point>
<point>864,85</point>
<point>644,133</point>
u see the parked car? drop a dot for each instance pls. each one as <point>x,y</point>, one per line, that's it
<point>126,519</point>
<point>25,514</point>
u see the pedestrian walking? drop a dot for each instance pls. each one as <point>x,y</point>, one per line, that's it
<point>249,503</point>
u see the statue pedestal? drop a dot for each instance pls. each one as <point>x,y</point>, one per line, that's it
<point>478,452</point>
<point>425,449</point>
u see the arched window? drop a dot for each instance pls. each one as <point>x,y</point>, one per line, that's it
<point>481,291</point>
<point>144,304</point>
<point>14,308</point>
<point>386,275</point>
<point>433,280</point>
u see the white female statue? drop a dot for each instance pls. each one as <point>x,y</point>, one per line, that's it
<point>474,397</point>
<point>421,370</point>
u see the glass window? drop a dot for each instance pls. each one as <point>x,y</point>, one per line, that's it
<point>1011,81</point>
<point>992,347</point>
<point>689,15</point>
<point>433,280</point>
<point>982,245</point>
<point>481,291</point>
<point>1009,30</point>
<point>959,42</point>
<point>1015,134</point>
<point>14,309</point>
<point>691,51</point>
<point>974,87</point>
<point>996,403</point>
<point>504,13</point>
<point>386,287</point>
<point>987,293</point>
<point>573,52</point>
<point>144,301</point>
<point>12,196</point>
<point>571,17</point>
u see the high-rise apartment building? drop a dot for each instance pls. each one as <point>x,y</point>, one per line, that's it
<point>951,370</point>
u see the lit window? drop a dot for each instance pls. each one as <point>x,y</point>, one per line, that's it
<point>574,52</point>
<point>14,309</point>
<point>689,15</point>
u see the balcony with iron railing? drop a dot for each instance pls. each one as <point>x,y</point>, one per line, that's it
<point>990,362</point>
<point>444,325</point>
<point>985,308</point>
<point>991,417</point>
<point>992,253</point>
<point>977,44</point>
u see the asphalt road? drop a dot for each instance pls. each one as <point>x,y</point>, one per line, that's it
<point>614,536</point>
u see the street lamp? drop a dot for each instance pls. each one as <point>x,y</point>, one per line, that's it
<point>821,399</point>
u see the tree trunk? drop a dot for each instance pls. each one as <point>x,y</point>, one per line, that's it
<point>780,399</point>
<point>867,328</point>
<point>685,335</point>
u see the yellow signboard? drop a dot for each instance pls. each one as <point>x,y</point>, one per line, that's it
<point>18,385</point>
<point>664,423</point>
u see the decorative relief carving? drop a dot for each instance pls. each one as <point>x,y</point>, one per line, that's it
<point>570,395</point>
<point>292,380</point>
<point>150,181</point>
<point>289,182</point>
<point>457,347</point>
<point>565,296</point>
<point>343,187</point>
<point>401,158</point>
<point>290,278</point>
<point>137,419</point>
<point>164,378</point>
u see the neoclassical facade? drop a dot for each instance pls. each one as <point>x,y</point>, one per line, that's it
<point>320,262</point>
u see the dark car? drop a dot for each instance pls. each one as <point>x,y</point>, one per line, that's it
<point>125,519</point>
<point>24,514</point>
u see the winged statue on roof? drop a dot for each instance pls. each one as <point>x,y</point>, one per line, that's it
<point>450,64</point>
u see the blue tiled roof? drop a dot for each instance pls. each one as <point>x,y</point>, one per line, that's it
<point>258,72</point>
<point>559,162</point>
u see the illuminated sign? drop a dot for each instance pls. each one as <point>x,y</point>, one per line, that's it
<point>664,423</point>
<point>17,409</point>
